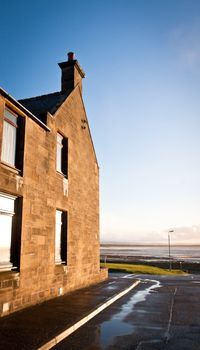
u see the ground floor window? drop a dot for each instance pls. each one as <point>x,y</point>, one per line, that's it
<point>10,231</point>
<point>6,220</point>
<point>61,237</point>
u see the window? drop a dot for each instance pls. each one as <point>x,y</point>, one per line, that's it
<point>62,155</point>
<point>61,237</point>
<point>9,137</point>
<point>10,227</point>
<point>13,139</point>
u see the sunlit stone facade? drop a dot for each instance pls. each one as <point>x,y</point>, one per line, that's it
<point>49,195</point>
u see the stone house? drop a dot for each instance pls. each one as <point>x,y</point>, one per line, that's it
<point>49,195</point>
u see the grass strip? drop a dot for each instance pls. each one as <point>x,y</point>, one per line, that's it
<point>143,269</point>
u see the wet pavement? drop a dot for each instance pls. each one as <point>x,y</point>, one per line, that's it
<point>162,313</point>
<point>31,328</point>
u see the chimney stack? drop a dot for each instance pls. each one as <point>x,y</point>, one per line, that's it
<point>72,73</point>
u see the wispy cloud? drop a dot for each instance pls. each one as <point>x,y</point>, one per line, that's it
<point>185,44</point>
<point>180,235</point>
<point>186,234</point>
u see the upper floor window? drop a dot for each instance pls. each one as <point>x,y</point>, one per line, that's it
<point>59,153</point>
<point>13,139</point>
<point>10,216</point>
<point>9,138</point>
<point>62,155</point>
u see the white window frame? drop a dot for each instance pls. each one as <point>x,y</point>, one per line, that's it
<point>59,147</point>
<point>58,231</point>
<point>8,151</point>
<point>61,228</point>
<point>6,212</point>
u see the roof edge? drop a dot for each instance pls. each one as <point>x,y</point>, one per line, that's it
<point>26,111</point>
<point>88,125</point>
<point>90,134</point>
<point>39,96</point>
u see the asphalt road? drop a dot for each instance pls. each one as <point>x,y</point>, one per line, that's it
<point>161,313</point>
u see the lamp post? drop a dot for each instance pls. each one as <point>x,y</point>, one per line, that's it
<point>169,247</point>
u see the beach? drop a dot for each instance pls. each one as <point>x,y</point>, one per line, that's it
<point>186,258</point>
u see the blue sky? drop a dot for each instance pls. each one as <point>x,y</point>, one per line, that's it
<point>142,64</point>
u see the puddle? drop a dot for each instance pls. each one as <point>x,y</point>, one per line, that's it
<point>196,282</point>
<point>110,287</point>
<point>109,331</point>
<point>154,328</point>
<point>117,326</point>
<point>129,276</point>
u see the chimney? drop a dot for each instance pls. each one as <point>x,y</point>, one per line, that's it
<point>72,73</point>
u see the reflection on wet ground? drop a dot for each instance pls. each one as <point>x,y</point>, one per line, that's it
<point>149,318</point>
<point>111,285</point>
<point>117,325</point>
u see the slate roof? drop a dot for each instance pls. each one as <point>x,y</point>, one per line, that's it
<point>40,105</point>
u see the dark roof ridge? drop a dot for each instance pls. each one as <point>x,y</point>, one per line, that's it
<point>40,105</point>
<point>44,95</point>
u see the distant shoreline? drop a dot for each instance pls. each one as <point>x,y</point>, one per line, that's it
<point>105,245</point>
<point>182,264</point>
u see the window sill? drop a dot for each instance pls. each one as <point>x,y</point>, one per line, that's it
<point>60,263</point>
<point>61,267</point>
<point>61,174</point>
<point>10,168</point>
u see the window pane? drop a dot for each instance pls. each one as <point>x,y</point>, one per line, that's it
<point>6,204</point>
<point>59,153</point>
<point>9,143</point>
<point>58,236</point>
<point>59,158</point>
<point>59,139</point>
<point>10,116</point>
<point>6,214</point>
<point>5,238</point>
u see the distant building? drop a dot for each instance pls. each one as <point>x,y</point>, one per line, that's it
<point>49,195</point>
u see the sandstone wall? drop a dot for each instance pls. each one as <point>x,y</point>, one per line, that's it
<point>43,191</point>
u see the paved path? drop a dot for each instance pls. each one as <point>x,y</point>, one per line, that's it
<point>162,313</point>
<point>31,328</point>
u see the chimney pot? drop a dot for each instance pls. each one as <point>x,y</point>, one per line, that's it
<point>70,56</point>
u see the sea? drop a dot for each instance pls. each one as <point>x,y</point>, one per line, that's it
<point>189,253</point>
